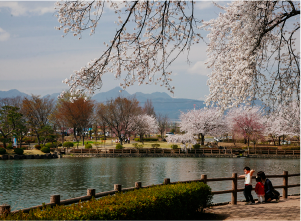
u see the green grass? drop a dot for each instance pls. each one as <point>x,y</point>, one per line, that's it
<point>163,145</point>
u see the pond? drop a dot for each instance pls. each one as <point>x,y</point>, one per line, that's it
<point>26,183</point>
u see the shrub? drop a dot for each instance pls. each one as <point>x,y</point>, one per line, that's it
<point>174,201</point>
<point>19,151</point>
<point>119,146</point>
<point>45,149</point>
<point>59,144</point>
<point>155,145</point>
<point>174,146</point>
<point>147,139</point>
<point>2,151</point>
<point>137,145</point>
<point>88,146</point>
<point>68,144</point>
<point>50,145</point>
<point>9,146</point>
<point>197,146</point>
<point>159,136</point>
<point>38,147</point>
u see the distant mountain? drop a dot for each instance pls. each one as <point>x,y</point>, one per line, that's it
<point>54,95</point>
<point>162,102</point>
<point>12,93</point>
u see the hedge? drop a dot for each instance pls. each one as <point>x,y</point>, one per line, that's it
<point>45,149</point>
<point>19,151</point>
<point>173,201</point>
<point>68,144</point>
<point>2,151</point>
<point>146,139</point>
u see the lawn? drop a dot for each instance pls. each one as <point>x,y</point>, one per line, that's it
<point>164,145</point>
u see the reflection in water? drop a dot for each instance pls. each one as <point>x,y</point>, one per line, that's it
<point>26,183</point>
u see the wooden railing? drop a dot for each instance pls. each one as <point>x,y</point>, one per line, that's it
<point>176,151</point>
<point>55,199</point>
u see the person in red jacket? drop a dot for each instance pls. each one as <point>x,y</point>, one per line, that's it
<point>259,189</point>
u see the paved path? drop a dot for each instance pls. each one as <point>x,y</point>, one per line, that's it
<point>286,209</point>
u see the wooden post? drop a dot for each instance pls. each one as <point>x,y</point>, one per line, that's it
<point>163,150</point>
<point>203,151</point>
<point>113,151</point>
<point>167,181</point>
<point>211,151</point>
<point>268,151</point>
<point>276,151</point>
<point>55,199</point>
<point>179,150</point>
<point>121,150</point>
<point>195,151</point>
<point>91,192</point>
<point>231,150</point>
<point>234,189</point>
<point>293,152</point>
<point>285,183</point>
<point>117,187</point>
<point>130,150</point>
<point>4,209</point>
<point>138,185</point>
<point>204,178</point>
<point>284,152</point>
<point>219,151</point>
<point>81,151</point>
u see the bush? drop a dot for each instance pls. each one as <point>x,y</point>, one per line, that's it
<point>45,149</point>
<point>147,139</point>
<point>88,146</point>
<point>165,202</point>
<point>9,146</point>
<point>19,151</point>
<point>59,144</point>
<point>174,146</point>
<point>138,146</point>
<point>197,146</point>
<point>2,151</point>
<point>68,144</point>
<point>50,145</point>
<point>38,147</point>
<point>155,145</point>
<point>119,146</point>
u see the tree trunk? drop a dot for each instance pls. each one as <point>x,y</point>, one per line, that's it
<point>141,138</point>
<point>83,139</point>
<point>279,138</point>
<point>203,139</point>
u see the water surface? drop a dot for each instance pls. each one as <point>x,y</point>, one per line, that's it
<point>26,183</point>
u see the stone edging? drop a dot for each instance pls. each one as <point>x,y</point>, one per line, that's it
<point>19,157</point>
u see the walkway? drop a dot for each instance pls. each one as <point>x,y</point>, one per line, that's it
<point>288,209</point>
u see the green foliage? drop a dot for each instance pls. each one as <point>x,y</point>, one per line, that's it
<point>174,146</point>
<point>155,145</point>
<point>147,139</point>
<point>19,151</point>
<point>159,136</point>
<point>45,149</point>
<point>38,147</point>
<point>50,145</point>
<point>119,146</point>
<point>9,146</point>
<point>196,146</point>
<point>165,202</point>
<point>59,144</point>
<point>2,151</point>
<point>68,144</point>
<point>88,146</point>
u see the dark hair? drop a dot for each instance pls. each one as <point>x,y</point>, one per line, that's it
<point>247,168</point>
<point>258,178</point>
<point>261,174</point>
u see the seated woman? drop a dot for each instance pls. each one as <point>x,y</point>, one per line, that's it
<point>268,188</point>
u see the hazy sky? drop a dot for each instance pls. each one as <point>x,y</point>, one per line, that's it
<point>35,58</point>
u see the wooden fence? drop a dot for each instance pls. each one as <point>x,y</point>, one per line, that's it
<point>177,151</point>
<point>55,199</point>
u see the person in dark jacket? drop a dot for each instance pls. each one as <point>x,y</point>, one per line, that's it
<point>268,188</point>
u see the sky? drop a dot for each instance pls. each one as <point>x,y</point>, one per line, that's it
<point>35,58</point>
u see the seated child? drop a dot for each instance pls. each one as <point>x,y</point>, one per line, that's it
<point>259,189</point>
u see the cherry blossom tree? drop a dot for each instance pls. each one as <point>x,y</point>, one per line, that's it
<point>248,122</point>
<point>143,124</point>
<point>186,140</point>
<point>251,47</point>
<point>202,121</point>
<point>252,53</point>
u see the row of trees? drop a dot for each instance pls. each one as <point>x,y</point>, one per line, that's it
<point>44,118</point>
<point>251,123</point>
